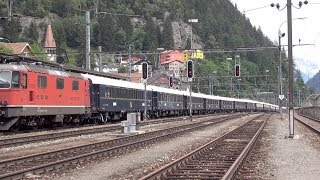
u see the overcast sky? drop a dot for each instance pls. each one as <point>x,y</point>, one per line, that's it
<point>308,30</point>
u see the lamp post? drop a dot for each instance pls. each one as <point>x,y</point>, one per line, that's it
<point>1,38</point>
<point>192,21</point>
<point>281,96</point>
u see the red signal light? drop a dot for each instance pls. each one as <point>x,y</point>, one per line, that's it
<point>190,69</point>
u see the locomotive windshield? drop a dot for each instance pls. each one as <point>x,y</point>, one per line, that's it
<point>5,79</point>
<point>9,79</point>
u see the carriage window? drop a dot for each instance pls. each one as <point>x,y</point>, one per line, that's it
<point>15,79</point>
<point>42,81</point>
<point>75,85</point>
<point>60,83</point>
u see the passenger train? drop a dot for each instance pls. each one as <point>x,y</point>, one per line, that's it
<point>36,95</point>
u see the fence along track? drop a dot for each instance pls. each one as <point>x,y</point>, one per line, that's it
<point>42,163</point>
<point>218,159</point>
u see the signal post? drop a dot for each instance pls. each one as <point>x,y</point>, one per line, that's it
<point>145,77</point>
<point>190,76</point>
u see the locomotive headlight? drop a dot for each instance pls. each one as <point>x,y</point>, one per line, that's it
<point>3,103</point>
<point>2,113</point>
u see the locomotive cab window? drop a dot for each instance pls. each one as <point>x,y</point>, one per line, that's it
<point>42,82</point>
<point>15,79</point>
<point>5,79</point>
<point>75,85</point>
<point>60,83</point>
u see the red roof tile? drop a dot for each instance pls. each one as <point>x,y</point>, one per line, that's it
<point>17,48</point>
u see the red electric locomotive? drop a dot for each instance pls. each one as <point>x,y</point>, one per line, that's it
<point>33,95</point>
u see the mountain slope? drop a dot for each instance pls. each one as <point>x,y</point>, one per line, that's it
<point>314,83</point>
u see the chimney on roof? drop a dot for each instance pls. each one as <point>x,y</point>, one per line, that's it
<point>50,45</point>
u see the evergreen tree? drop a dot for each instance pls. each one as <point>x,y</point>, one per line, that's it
<point>12,29</point>
<point>151,41</point>
<point>167,34</point>
<point>32,33</point>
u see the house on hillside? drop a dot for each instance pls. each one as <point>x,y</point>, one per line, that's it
<point>126,60</point>
<point>107,67</point>
<point>175,66</point>
<point>19,48</point>
<point>170,55</point>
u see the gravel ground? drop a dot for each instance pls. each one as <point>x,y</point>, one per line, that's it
<point>63,143</point>
<point>274,156</point>
<point>139,163</point>
<point>277,157</point>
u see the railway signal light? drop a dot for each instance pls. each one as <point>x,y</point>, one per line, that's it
<point>190,68</point>
<point>145,70</point>
<point>237,70</point>
<point>170,81</point>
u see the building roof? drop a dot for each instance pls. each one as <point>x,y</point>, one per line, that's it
<point>170,61</point>
<point>17,48</point>
<point>49,41</point>
<point>135,76</point>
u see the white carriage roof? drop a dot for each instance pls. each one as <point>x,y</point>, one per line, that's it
<point>140,86</point>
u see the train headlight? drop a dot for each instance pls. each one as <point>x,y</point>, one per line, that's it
<point>3,103</point>
<point>2,113</point>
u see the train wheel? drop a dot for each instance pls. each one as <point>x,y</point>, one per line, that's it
<point>33,124</point>
<point>102,118</point>
<point>95,121</point>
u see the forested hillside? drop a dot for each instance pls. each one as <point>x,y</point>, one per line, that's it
<point>221,27</point>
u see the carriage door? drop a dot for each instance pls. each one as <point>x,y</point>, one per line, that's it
<point>185,102</point>
<point>204,103</point>
<point>154,100</point>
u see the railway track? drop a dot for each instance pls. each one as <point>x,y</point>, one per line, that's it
<point>218,159</point>
<point>15,141</point>
<point>54,160</point>
<point>311,123</point>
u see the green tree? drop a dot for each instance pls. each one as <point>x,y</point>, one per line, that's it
<point>151,41</point>
<point>122,69</point>
<point>38,51</point>
<point>32,32</point>
<point>59,33</point>
<point>167,34</point>
<point>12,29</point>
<point>5,50</point>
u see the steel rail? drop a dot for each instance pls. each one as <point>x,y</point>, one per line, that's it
<point>8,142</point>
<point>231,172</point>
<point>186,160</point>
<point>316,130</point>
<point>19,167</point>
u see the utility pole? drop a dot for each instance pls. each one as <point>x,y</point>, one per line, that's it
<point>129,60</point>
<point>9,7</point>
<point>88,40</point>
<point>290,63</point>
<point>100,50</point>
